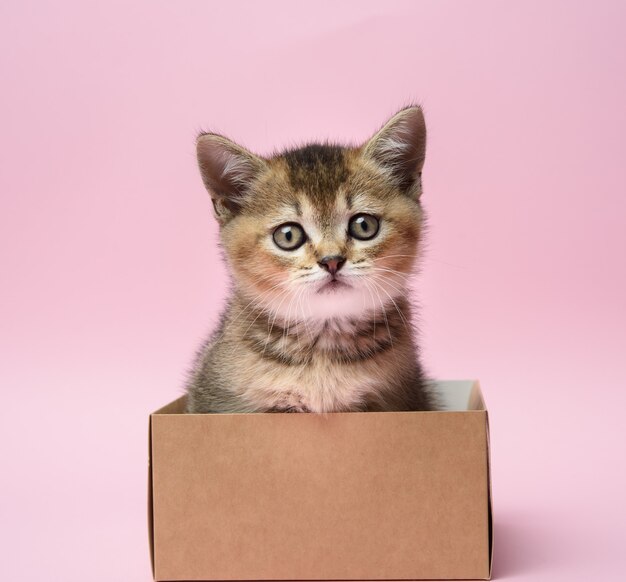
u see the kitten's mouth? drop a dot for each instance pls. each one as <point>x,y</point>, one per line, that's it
<point>332,286</point>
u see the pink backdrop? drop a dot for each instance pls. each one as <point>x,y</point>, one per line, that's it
<point>110,275</point>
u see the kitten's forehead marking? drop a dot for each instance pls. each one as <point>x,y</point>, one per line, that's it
<point>327,222</point>
<point>318,171</point>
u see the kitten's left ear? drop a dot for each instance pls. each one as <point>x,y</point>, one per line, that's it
<point>400,148</point>
<point>228,170</point>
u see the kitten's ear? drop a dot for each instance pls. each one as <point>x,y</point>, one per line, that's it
<point>400,147</point>
<point>227,172</point>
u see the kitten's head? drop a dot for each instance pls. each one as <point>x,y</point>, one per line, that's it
<point>320,231</point>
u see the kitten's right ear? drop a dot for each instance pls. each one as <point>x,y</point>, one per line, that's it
<point>227,172</point>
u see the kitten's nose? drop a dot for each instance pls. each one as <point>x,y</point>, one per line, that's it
<point>332,263</point>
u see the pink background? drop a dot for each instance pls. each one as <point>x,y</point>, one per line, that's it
<point>110,275</point>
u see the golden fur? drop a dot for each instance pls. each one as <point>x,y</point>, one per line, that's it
<point>296,336</point>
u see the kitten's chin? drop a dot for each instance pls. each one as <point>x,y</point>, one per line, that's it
<point>333,286</point>
<point>333,300</point>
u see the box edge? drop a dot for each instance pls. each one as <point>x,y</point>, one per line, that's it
<point>150,501</point>
<point>489,497</point>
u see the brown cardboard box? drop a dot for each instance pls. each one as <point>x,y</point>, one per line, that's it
<point>342,496</point>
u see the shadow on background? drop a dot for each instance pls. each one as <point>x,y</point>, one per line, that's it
<point>521,546</point>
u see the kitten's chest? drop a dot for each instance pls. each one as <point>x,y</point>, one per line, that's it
<point>337,366</point>
<point>319,386</point>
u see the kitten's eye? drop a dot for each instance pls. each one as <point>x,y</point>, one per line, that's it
<point>363,226</point>
<point>289,236</point>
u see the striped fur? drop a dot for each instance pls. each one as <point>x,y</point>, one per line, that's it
<point>289,339</point>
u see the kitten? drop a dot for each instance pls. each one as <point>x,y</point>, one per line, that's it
<point>320,242</point>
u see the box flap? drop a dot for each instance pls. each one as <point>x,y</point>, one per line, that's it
<point>177,406</point>
<point>476,401</point>
<point>458,395</point>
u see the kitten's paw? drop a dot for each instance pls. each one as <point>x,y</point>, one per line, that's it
<point>288,409</point>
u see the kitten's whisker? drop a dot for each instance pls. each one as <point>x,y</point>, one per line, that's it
<point>255,299</point>
<point>297,307</point>
<point>401,289</point>
<point>262,309</point>
<point>399,285</point>
<point>288,320</point>
<point>256,303</point>
<point>373,268</point>
<point>369,290</point>
<point>244,312</point>
<point>305,319</point>
<point>378,260</point>
<point>399,273</point>
<point>393,257</point>
<point>404,321</point>
<point>284,295</point>
<point>384,312</point>
<point>245,333</point>
<point>395,355</point>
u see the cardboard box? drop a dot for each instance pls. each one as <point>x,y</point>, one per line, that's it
<point>341,496</point>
